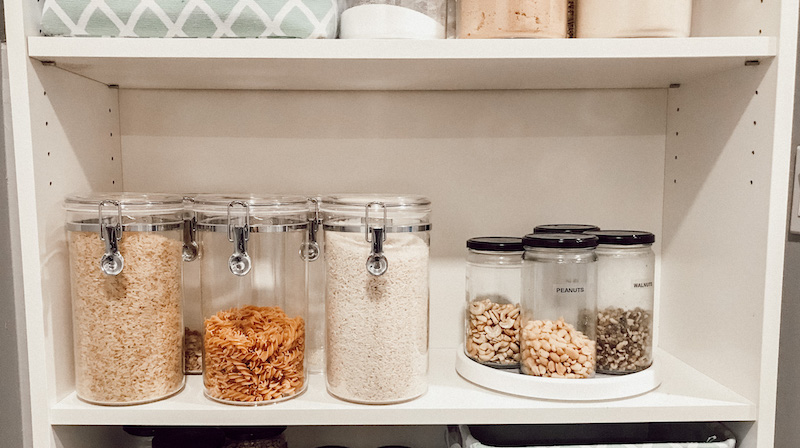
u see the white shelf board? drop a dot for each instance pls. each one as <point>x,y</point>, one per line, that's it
<point>684,395</point>
<point>289,64</point>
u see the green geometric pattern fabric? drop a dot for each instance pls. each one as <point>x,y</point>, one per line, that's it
<point>307,19</point>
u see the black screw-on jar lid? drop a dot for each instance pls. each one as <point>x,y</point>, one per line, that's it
<point>560,240</point>
<point>565,228</point>
<point>623,237</point>
<point>496,244</point>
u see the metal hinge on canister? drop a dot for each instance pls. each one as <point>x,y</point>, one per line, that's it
<point>239,263</point>
<point>111,263</point>
<point>190,247</point>
<point>309,250</point>
<point>376,235</point>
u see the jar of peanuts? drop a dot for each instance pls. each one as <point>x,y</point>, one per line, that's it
<point>254,296</point>
<point>494,266</point>
<point>625,296</point>
<point>559,305</point>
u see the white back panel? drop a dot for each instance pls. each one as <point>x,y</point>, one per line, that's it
<point>493,163</point>
<point>735,17</point>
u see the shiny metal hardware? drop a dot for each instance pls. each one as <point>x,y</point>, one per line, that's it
<point>239,263</point>
<point>190,247</point>
<point>309,250</point>
<point>377,264</point>
<point>111,263</point>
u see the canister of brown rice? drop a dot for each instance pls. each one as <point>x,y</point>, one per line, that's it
<point>125,268</point>
<point>254,294</point>
<point>376,294</point>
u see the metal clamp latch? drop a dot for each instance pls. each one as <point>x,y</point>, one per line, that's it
<point>309,250</point>
<point>239,263</point>
<point>376,235</point>
<point>190,247</point>
<point>111,263</point>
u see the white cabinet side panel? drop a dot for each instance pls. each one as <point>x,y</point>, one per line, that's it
<point>716,210</point>
<point>66,130</point>
<point>493,163</point>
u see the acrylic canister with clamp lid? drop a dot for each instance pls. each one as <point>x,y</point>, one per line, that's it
<point>254,296</point>
<point>125,269</point>
<point>376,296</point>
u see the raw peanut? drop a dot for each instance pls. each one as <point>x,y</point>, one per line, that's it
<point>555,347</point>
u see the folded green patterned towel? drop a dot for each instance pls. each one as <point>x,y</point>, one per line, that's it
<point>308,19</point>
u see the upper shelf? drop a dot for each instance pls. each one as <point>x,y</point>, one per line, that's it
<point>288,64</point>
<point>684,395</point>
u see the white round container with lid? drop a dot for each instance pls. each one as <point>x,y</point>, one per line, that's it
<point>625,300</point>
<point>559,305</point>
<point>494,267</point>
<point>482,19</point>
<point>396,19</point>
<point>633,18</point>
<point>376,296</point>
<point>125,269</point>
<point>254,296</point>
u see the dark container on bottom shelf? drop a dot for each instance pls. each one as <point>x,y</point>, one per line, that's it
<point>699,435</point>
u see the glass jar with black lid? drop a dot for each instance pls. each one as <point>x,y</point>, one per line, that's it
<point>494,266</point>
<point>559,305</point>
<point>625,300</point>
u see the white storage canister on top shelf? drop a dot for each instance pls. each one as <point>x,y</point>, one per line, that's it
<point>376,296</point>
<point>125,269</point>
<point>494,268</point>
<point>393,19</point>
<point>482,19</point>
<point>625,300</point>
<point>192,313</point>
<point>254,296</point>
<point>559,305</point>
<point>633,18</point>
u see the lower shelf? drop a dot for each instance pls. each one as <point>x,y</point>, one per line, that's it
<point>684,395</point>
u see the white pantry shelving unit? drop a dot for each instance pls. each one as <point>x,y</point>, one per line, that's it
<point>689,138</point>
